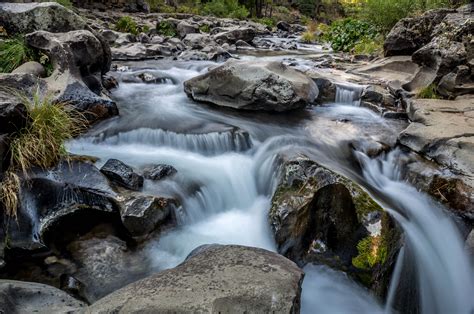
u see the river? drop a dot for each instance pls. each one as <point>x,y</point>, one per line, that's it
<point>227,173</point>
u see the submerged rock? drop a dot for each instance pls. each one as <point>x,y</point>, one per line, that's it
<point>226,279</point>
<point>268,86</point>
<point>122,174</point>
<point>30,297</point>
<point>159,172</point>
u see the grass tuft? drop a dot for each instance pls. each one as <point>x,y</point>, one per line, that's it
<point>308,37</point>
<point>9,190</point>
<point>13,53</point>
<point>126,24</point>
<point>429,92</point>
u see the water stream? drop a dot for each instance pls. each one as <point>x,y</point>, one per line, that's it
<point>227,173</point>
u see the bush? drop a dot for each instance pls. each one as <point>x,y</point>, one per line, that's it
<point>205,28</point>
<point>368,46</point>
<point>267,21</point>
<point>166,28</point>
<point>226,8</point>
<point>65,3</point>
<point>346,33</point>
<point>13,53</point>
<point>127,25</point>
<point>386,13</point>
<point>429,92</point>
<point>308,37</point>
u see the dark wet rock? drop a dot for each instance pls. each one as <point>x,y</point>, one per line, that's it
<point>233,35</point>
<point>4,152</point>
<point>218,279</point>
<point>13,115</point>
<point>159,172</point>
<point>284,26</point>
<point>317,214</point>
<point>122,174</point>
<point>109,82</point>
<point>31,67</point>
<point>29,297</point>
<point>410,34</point>
<point>72,285</point>
<point>25,18</point>
<point>456,83</point>
<point>268,86</point>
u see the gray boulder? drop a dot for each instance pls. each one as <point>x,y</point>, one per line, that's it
<point>184,28</point>
<point>231,36</point>
<point>31,67</point>
<point>30,297</point>
<point>268,86</point>
<point>122,174</point>
<point>198,41</point>
<point>25,18</point>
<point>159,172</point>
<point>284,26</point>
<point>225,279</point>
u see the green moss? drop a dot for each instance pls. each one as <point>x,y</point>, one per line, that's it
<point>372,251</point>
<point>166,28</point>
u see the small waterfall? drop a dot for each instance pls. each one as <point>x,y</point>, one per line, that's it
<point>349,94</point>
<point>207,143</point>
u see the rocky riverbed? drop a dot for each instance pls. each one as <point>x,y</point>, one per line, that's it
<point>222,163</point>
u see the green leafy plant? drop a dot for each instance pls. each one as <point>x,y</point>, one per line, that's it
<point>65,3</point>
<point>372,251</point>
<point>429,92</point>
<point>226,8</point>
<point>13,53</point>
<point>127,25</point>
<point>346,33</point>
<point>205,28</point>
<point>166,28</point>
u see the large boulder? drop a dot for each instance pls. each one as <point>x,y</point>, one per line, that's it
<point>184,28</point>
<point>442,130</point>
<point>79,61</point>
<point>410,34</point>
<point>29,297</point>
<point>25,18</point>
<point>231,36</point>
<point>268,86</point>
<point>225,279</point>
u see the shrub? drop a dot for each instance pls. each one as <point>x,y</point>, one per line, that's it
<point>369,46</point>
<point>127,25</point>
<point>13,53</point>
<point>205,28</point>
<point>346,33</point>
<point>226,8</point>
<point>308,37</point>
<point>65,3</point>
<point>41,143</point>
<point>372,251</point>
<point>187,9</point>
<point>166,28</point>
<point>429,92</point>
<point>267,21</point>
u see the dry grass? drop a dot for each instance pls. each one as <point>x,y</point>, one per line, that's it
<point>40,144</point>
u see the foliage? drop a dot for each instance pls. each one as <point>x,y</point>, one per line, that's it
<point>428,92</point>
<point>166,28</point>
<point>188,9</point>
<point>307,7</point>
<point>372,251</point>
<point>369,46</point>
<point>205,28</point>
<point>346,33</point>
<point>308,37</point>
<point>13,53</point>
<point>267,21</point>
<point>65,3</point>
<point>127,25</point>
<point>226,8</point>
<point>386,13</point>
<point>41,143</point>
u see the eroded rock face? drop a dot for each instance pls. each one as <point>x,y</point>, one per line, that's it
<point>226,279</point>
<point>28,297</point>
<point>317,214</point>
<point>268,86</point>
<point>29,17</point>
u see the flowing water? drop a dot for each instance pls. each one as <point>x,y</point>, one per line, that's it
<point>227,172</point>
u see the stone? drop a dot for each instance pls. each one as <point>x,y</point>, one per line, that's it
<point>184,28</point>
<point>143,38</point>
<point>25,18</point>
<point>410,34</point>
<point>456,83</point>
<point>267,86</point>
<point>158,172</point>
<point>133,51</point>
<point>197,41</point>
<point>31,67</point>
<point>29,297</point>
<point>240,44</point>
<point>232,35</point>
<point>13,115</point>
<point>122,174</point>
<point>225,279</point>
<point>109,35</point>
<point>143,214</point>
<point>284,26</point>
<point>194,55</point>
<point>317,214</point>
